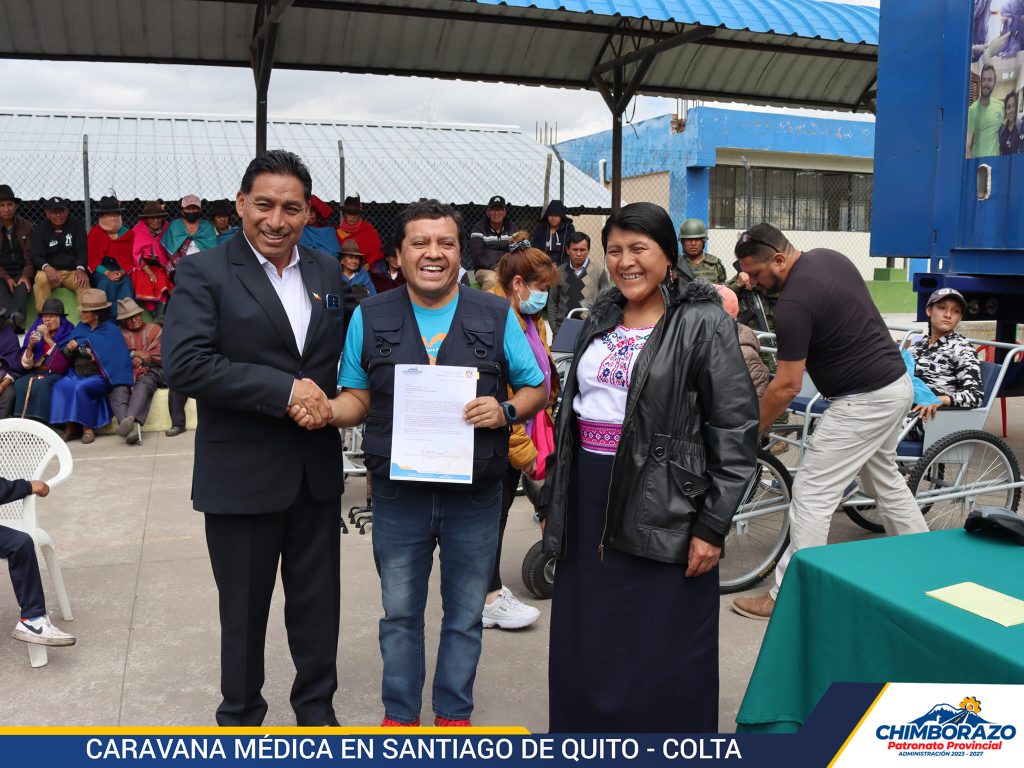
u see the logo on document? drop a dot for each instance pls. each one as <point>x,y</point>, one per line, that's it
<point>946,730</point>
<point>412,371</point>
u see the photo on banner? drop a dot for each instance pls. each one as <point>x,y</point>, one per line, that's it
<point>994,125</point>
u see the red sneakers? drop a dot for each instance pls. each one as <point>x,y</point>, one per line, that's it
<point>387,722</point>
<point>444,722</point>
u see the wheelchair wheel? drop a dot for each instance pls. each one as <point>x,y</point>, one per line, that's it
<point>539,572</point>
<point>866,517</point>
<point>970,460</point>
<point>760,530</point>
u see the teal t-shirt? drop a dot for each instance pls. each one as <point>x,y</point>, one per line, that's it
<point>983,123</point>
<point>433,326</point>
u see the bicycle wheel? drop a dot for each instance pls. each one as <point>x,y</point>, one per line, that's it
<point>972,463</point>
<point>760,530</point>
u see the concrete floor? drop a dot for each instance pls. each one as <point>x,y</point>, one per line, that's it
<point>135,563</point>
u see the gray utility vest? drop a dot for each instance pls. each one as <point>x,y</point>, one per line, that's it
<point>476,339</point>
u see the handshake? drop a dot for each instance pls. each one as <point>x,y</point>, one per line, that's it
<point>309,406</point>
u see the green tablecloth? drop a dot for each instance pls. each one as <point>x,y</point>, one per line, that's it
<point>858,612</point>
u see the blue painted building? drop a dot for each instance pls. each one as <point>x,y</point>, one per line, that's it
<point>730,168</point>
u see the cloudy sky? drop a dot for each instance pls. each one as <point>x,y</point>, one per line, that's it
<point>49,85</point>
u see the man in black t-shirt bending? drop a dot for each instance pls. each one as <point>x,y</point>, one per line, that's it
<point>826,323</point>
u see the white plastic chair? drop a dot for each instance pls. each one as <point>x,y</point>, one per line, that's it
<point>26,449</point>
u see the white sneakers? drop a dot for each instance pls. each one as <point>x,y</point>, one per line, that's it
<point>41,632</point>
<point>506,612</point>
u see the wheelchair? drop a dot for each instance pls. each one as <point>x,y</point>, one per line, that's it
<point>956,467</point>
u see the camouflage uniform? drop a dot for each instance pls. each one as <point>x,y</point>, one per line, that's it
<point>710,268</point>
<point>750,314</point>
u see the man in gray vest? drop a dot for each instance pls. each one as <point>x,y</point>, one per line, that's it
<point>434,320</point>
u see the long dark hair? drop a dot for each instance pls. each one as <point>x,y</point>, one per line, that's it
<point>648,219</point>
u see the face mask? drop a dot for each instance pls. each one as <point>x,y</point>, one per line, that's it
<point>535,303</point>
<point>110,224</point>
<point>191,216</point>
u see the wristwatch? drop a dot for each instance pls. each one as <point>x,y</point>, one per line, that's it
<point>511,414</point>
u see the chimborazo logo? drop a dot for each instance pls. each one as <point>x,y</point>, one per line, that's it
<point>945,727</point>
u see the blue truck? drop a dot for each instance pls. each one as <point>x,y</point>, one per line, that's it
<point>949,177</point>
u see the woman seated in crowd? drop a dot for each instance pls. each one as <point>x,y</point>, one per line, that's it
<point>387,273</point>
<point>10,363</point>
<point>655,442</point>
<point>945,360</point>
<point>110,251</point>
<point>524,276</point>
<point>99,361</point>
<point>352,272</point>
<point>151,281</point>
<point>42,361</point>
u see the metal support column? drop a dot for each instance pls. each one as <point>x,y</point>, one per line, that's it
<point>617,139</point>
<point>85,182</point>
<point>261,47</point>
<point>621,93</point>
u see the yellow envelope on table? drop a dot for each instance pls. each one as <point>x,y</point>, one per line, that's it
<point>982,601</point>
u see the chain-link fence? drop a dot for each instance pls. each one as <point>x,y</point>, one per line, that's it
<point>815,208</point>
<point>385,185</point>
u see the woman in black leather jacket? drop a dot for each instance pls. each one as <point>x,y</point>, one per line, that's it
<point>655,443</point>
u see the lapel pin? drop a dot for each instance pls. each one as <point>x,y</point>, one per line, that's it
<point>315,295</point>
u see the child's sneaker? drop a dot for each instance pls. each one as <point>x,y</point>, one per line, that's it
<point>42,632</point>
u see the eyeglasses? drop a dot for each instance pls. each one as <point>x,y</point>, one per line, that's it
<point>743,237</point>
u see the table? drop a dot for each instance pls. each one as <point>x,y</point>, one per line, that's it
<point>858,612</point>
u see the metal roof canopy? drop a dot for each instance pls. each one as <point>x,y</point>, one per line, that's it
<point>775,52</point>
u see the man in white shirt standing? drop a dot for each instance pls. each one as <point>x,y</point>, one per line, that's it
<point>255,326</point>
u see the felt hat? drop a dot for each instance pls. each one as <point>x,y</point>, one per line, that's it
<point>152,210</point>
<point>53,306</point>
<point>127,308</point>
<point>108,204</point>
<point>352,204</point>
<point>92,299</point>
<point>6,193</point>
<point>221,208</point>
<point>350,248</point>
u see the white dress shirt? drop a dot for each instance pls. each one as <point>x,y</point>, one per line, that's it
<point>291,291</point>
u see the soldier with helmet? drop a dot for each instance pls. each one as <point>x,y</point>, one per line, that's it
<point>693,235</point>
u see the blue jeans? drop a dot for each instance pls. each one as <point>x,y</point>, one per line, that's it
<point>409,520</point>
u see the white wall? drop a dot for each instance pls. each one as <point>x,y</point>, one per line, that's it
<point>853,245</point>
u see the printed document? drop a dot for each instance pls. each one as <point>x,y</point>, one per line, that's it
<point>430,439</point>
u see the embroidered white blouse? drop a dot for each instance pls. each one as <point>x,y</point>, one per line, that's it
<point>603,375</point>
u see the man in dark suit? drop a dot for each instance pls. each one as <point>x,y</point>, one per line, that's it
<point>256,325</point>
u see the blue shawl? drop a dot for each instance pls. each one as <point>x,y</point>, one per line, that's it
<point>322,239</point>
<point>59,338</point>
<point>107,344</point>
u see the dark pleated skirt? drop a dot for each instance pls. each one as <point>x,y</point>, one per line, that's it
<point>38,396</point>
<point>634,643</point>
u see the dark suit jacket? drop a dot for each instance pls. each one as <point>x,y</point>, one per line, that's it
<point>228,344</point>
